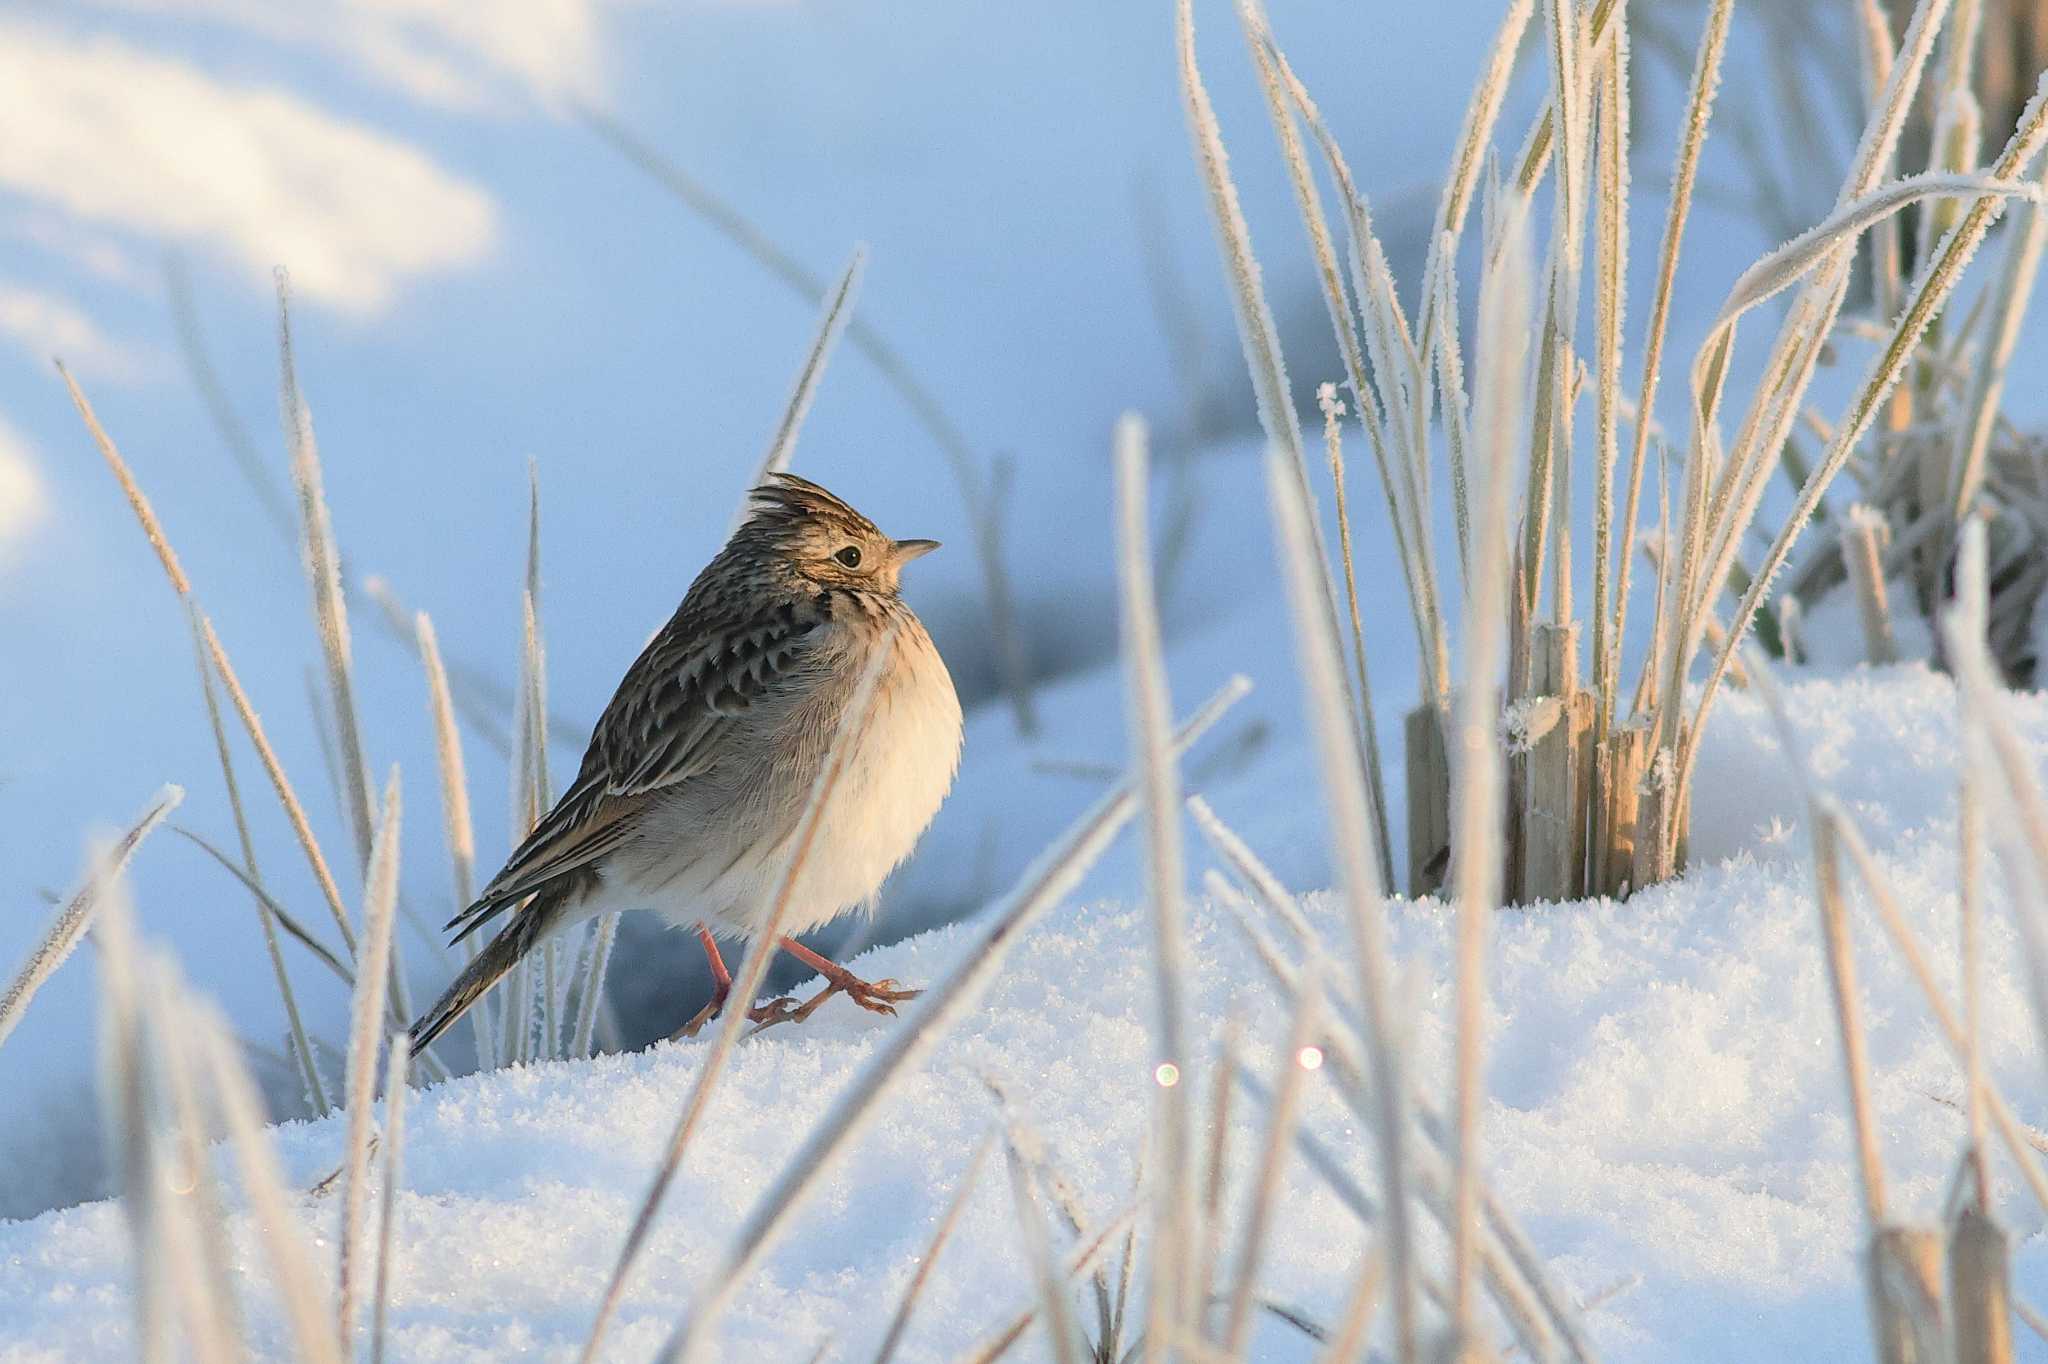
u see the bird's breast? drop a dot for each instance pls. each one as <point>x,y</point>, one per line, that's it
<point>893,783</point>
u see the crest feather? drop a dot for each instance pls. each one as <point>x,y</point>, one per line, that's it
<point>786,499</point>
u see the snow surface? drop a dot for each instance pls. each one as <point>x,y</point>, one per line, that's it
<point>1666,1110</point>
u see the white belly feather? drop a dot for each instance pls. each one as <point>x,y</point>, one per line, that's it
<point>889,790</point>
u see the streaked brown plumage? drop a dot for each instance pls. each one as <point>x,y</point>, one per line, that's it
<point>697,772</point>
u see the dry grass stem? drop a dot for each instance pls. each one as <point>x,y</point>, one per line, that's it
<point>1037,1236</point>
<point>279,782</point>
<point>1347,1340</point>
<point>380,909</point>
<point>782,445</point>
<point>393,1146</point>
<point>1149,709</point>
<point>1260,342</point>
<point>1611,256</point>
<point>458,832</point>
<point>1706,77</point>
<point>1216,1167</point>
<point>1848,1015</point>
<point>1477,765</point>
<point>900,1321</point>
<point>75,916</point>
<point>145,514</point>
<point>1344,792</point>
<point>284,1245</point>
<point>127,1095</point>
<point>1262,1199</point>
<point>323,570</point>
<point>1081,1260</point>
<point>302,1050</point>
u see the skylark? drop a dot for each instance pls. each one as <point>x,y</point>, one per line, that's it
<point>698,771</point>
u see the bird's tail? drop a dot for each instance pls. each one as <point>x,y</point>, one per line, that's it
<point>527,927</point>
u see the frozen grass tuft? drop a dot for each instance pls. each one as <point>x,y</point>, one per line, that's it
<point>1592,805</point>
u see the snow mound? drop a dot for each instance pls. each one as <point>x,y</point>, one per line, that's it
<point>1667,1115</point>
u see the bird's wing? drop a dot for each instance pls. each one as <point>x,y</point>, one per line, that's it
<point>584,825</point>
<point>673,714</point>
<point>670,721</point>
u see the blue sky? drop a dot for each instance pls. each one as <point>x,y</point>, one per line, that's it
<point>480,281</point>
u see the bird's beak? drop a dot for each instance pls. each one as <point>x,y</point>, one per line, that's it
<point>906,550</point>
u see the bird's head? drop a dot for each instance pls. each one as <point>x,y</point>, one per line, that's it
<point>824,539</point>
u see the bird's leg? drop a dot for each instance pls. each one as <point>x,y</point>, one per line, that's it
<point>721,989</point>
<point>879,997</point>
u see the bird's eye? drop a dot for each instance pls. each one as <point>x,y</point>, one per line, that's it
<point>850,556</point>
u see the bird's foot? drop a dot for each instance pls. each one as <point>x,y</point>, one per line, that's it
<point>879,997</point>
<point>761,1015</point>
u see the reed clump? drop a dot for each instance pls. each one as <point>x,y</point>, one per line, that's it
<point>1600,771</point>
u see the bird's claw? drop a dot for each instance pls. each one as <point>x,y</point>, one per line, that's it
<point>761,1015</point>
<point>880,997</point>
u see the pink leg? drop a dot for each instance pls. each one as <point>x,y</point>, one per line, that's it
<point>721,989</point>
<point>880,997</point>
<point>721,979</point>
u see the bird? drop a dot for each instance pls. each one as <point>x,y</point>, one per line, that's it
<point>697,773</point>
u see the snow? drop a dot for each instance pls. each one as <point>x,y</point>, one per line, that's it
<point>1666,1106</point>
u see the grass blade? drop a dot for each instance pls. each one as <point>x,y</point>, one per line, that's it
<point>283,1240</point>
<point>1150,721</point>
<point>380,908</point>
<point>387,1221</point>
<point>781,446</point>
<point>1706,77</point>
<point>76,915</point>
<point>457,831</point>
<point>302,1050</point>
<point>926,1262</point>
<point>323,571</point>
<point>1344,793</point>
<point>1079,1261</point>
<point>1262,1199</point>
<point>1261,345</point>
<point>1476,757</point>
<point>1052,1297</point>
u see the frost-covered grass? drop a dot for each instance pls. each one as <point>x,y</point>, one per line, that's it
<point>1601,799</point>
<point>1663,1111</point>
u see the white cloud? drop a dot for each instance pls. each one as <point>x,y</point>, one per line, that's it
<point>46,326</point>
<point>23,502</point>
<point>121,138</point>
<point>462,54</point>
